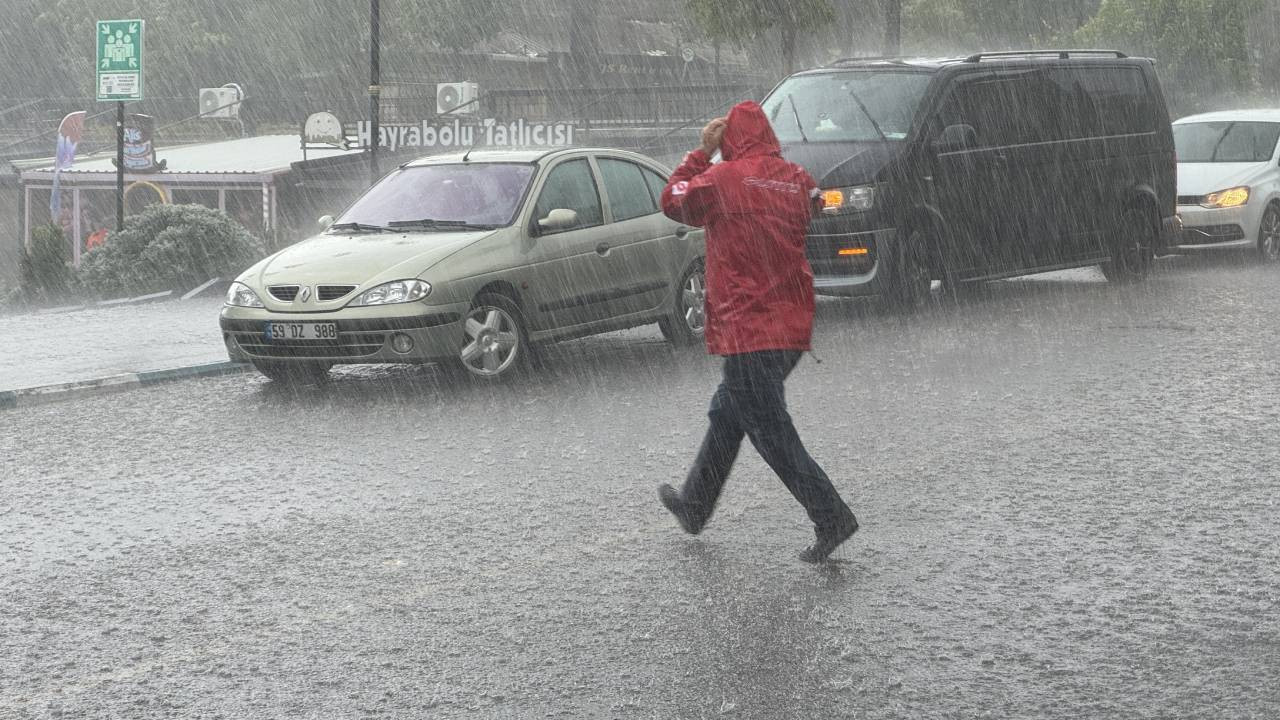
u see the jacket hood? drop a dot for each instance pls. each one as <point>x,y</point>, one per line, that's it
<point>748,134</point>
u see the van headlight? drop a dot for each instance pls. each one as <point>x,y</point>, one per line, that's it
<point>850,199</point>
<point>1229,198</point>
<point>240,295</point>
<point>398,291</point>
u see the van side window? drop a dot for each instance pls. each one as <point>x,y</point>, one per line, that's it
<point>1004,109</point>
<point>1112,100</point>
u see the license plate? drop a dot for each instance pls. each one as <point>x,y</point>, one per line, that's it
<point>301,331</point>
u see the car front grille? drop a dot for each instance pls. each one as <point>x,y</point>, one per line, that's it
<point>349,345</point>
<point>283,293</point>
<point>325,293</point>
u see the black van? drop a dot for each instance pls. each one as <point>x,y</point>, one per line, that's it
<point>991,166</point>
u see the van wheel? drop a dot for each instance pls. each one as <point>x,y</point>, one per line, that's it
<point>1269,235</point>
<point>1134,250</point>
<point>687,322</point>
<point>495,344</point>
<point>910,281</point>
<point>294,373</point>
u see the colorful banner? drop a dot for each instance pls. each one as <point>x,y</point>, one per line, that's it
<point>69,134</point>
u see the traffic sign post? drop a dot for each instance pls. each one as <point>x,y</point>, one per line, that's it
<point>118,65</point>
<point>119,60</point>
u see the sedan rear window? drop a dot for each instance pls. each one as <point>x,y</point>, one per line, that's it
<point>463,193</point>
<point>1207,142</point>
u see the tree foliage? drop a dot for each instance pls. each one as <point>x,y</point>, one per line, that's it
<point>1200,45</point>
<point>742,21</point>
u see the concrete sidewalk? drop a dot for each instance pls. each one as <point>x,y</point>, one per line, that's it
<point>54,348</point>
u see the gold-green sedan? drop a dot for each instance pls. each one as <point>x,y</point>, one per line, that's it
<point>470,259</point>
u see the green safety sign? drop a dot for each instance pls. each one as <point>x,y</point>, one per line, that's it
<point>119,63</point>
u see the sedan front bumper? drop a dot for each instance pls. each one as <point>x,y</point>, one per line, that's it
<point>364,334</point>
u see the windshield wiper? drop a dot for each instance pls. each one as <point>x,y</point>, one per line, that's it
<point>357,227</point>
<point>799,125</point>
<point>865,111</point>
<point>440,224</point>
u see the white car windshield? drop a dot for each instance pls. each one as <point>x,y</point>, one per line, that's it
<point>1237,142</point>
<point>458,195</point>
<point>825,107</point>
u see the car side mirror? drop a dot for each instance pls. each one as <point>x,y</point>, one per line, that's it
<point>325,221</point>
<point>956,137</point>
<point>557,220</point>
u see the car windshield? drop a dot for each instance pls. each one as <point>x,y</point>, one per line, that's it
<point>828,110</point>
<point>1236,142</point>
<point>457,195</point>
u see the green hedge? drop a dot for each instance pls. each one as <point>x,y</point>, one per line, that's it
<point>46,275</point>
<point>169,247</point>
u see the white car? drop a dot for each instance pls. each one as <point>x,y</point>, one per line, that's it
<point>1229,181</point>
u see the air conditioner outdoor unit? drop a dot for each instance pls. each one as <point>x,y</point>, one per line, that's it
<point>456,98</point>
<point>220,102</point>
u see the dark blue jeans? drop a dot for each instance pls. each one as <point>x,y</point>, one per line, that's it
<point>751,402</point>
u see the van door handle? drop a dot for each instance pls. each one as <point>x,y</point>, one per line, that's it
<point>602,249</point>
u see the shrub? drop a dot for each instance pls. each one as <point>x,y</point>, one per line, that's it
<point>169,247</point>
<point>46,274</point>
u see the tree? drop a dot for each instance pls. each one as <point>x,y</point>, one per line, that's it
<point>742,21</point>
<point>1201,45</point>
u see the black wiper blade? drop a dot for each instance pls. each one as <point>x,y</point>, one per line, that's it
<point>440,224</point>
<point>357,227</point>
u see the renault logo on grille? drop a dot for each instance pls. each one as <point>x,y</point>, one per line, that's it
<point>306,294</point>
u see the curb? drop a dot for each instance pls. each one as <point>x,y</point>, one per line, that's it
<point>42,394</point>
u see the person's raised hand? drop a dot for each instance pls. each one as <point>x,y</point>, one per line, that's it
<point>712,135</point>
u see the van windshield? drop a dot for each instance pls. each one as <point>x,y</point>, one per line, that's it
<point>827,110</point>
<point>1209,142</point>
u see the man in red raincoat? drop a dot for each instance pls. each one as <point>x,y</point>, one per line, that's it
<point>756,209</point>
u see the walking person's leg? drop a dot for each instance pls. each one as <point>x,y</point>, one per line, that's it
<point>757,392</point>
<point>696,501</point>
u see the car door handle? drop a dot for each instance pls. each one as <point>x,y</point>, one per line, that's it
<point>682,232</point>
<point>602,249</point>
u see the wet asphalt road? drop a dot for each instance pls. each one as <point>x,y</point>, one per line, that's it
<point>1067,492</point>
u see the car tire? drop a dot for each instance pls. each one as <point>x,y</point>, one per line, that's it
<point>687,322</point>
<point>1133,252</point>
<point>910,276</point>
<point>495,343</point>
<point>1269,235</point>
<point>294,373</point>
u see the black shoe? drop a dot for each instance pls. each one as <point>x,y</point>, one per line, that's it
<point>670,498</point>
<point>827,542</point>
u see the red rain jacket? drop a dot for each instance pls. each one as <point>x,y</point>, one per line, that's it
<point>756,209</point>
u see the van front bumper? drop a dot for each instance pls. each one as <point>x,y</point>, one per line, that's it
<point>861,271</point>
<point>364,334</point>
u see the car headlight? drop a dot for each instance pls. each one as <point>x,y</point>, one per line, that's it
<point>1232,197</point>
<point>239,295</point>
<point>398,291</point>
<point>851,199</point>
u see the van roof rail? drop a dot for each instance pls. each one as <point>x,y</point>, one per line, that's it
<point>870,58</point>
<point>1061,54</point>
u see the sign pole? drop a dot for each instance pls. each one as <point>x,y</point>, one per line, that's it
<point>375,77</point>
<point>120,165</point>
<point>118,65</point>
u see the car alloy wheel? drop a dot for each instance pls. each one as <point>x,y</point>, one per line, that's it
<point>693,301</point>
<point>494,340</point>
<point>1269,235</point>
<point>687,322</point>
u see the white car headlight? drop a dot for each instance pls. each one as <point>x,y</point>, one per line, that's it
<point>239,295</point>
<point>850,199</point>
<point>1229,198</point>
<point>399,291</point>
